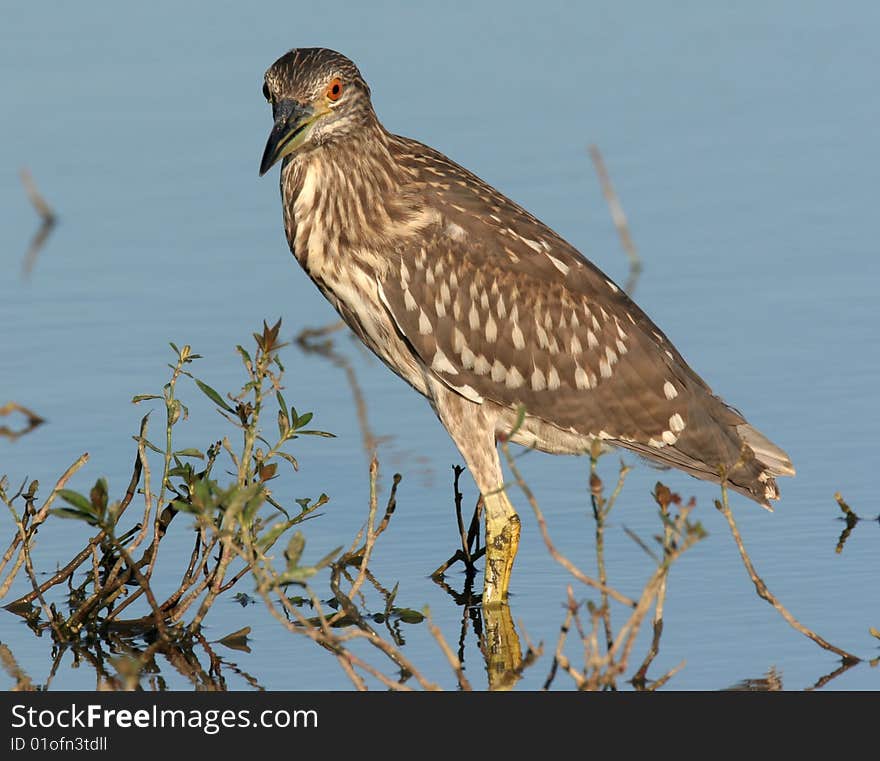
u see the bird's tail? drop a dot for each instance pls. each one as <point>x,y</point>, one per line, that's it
<point>773,460</point>
<point>718,443</point>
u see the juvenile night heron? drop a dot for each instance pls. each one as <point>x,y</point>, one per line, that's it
<point>482,308</point>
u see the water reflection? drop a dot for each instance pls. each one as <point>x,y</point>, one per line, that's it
<point>770,682</point>
<point>120,664</point>
<point>47,223</point>
<point>31,421</point>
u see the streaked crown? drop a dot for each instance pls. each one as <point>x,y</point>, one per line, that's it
<point>303,73</point>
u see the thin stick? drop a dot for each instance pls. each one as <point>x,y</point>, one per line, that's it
<point>556,554</point>
<point>36,521</point>
<point>619,219</point>
<point>724,508</point>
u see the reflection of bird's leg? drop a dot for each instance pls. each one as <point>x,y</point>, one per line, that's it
<point>472,427</point>
<point>501,648</point>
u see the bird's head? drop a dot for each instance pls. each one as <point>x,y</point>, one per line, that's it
<point>317,95</point>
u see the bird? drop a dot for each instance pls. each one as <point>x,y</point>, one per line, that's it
<point>504,326</point>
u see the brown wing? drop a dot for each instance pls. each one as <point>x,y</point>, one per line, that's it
<point>501,308</point>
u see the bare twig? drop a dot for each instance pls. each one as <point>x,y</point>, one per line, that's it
<point>619,218</point>
<point>35,521</point>
<point>763,592</point>
<point>470,549</point>
<point>556,554</point>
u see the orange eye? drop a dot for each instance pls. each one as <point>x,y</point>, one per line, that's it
<point>334,89</point>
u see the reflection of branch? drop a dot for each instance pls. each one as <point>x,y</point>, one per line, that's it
<point>770,682</point>
<point>39,203</point>
<point>453,660</point>
<point>306,341</point>
<point>10,665</point>
<point>33,420</point>
<point>724,508</point>
<point>46,215</point>
<point>851,520</point>
<point>619,218</point>
<point>822,681</point>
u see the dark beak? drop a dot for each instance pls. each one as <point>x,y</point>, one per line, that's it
<point>291,120</point>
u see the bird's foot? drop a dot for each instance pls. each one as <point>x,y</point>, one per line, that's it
<point>502,540</point>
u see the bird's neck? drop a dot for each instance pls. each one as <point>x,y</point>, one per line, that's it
<point>343,195</point>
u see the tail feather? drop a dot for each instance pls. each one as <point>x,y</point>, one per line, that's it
<point>776,461</point>
<point>752,461</point>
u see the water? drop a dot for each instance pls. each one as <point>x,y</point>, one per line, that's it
<point>742,142</point>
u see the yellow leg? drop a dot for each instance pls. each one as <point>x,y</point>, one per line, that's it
<point>502,540</point>
<point>472,427</point>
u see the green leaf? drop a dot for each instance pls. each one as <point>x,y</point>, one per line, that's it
<point>174,346</point>
<point>283,419</point>
<point>296,575</point>
<point>271,536</point>
<point>67,512</point>
<point>290,458</point>
<point>98,496</point>
<point>213,396</point>
<point>304,420</point>
<point>282,405</point>
<point>78,501</point>
<point>294,550</point>
<point>283,425</point>
<point>144,397</point>
<point>244,355</point>
<point>189,453</point>
<point>242,599</point>
<point>203,491</point>
<point>408,615</point>
<point>183,471</point>
<point>253,503</point>
<point>325,434</point>
<point>174,411</point>
<point>186,507</point>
